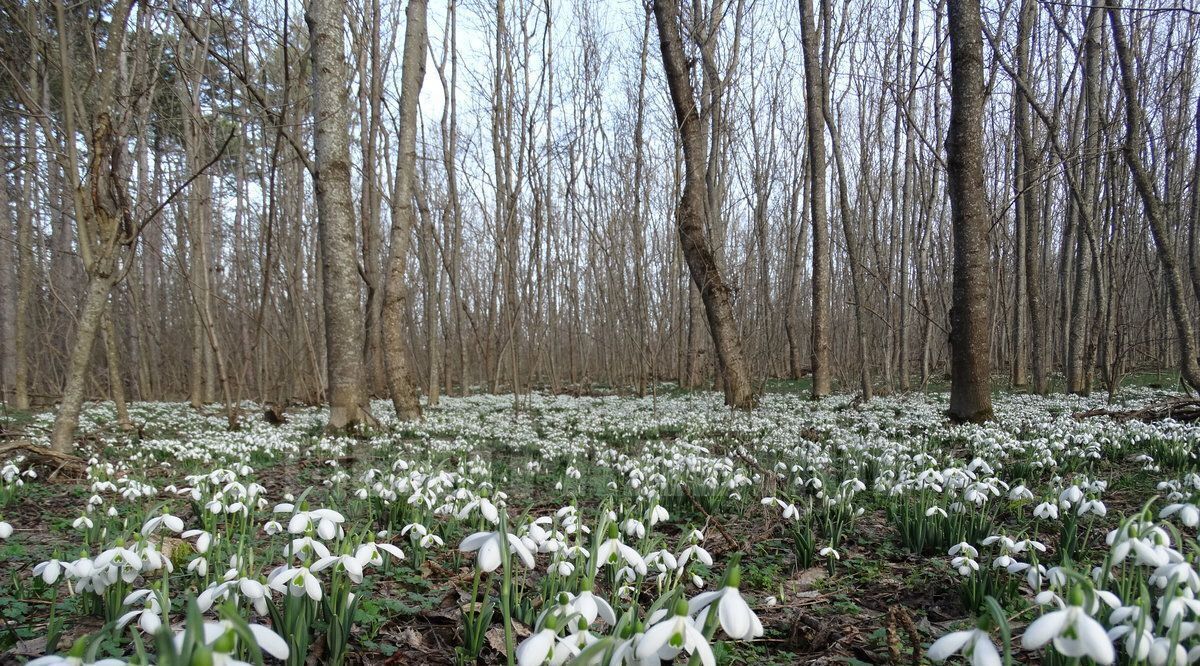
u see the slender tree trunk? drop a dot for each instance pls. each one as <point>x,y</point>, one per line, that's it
<point>1029,202</point>
<point>691,215</point>
<point>970,332</point>
<point>814,96</point>
<point>1143,180</point>
<point>116,386</point>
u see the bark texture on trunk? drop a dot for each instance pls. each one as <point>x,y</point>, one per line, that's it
<point>814,96</point>
<point>347,395</point>
<point>970,331</point>
<point>692,213</point>
<point>1143,180</point>
<point>395,292</point>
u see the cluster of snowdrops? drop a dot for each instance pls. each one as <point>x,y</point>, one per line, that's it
<point>216,568</point>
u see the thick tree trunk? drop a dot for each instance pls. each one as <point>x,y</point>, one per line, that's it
<point>395,291</point>
<point>691,215</point>
<point>970,330</point>
<point>347,395</point>
<point>94,302</point>
<point>1189,367</point>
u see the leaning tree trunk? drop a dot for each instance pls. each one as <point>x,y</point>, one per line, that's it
<point>970,333</point>
<point>348,404</point>
<point>692,212</point>
<point>814,96</point>
<point>1189,367</point>
<point>395,291</point>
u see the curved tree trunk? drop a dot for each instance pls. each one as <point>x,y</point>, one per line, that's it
<point>692,212</point>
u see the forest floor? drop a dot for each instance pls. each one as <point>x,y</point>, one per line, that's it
<point>890,591</point>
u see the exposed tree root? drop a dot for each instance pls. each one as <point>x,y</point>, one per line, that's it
<point>48,457</point>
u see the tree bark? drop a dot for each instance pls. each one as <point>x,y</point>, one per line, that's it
<point>691,214</point>
<point>395,291</point>
<point>970,331</point>
<point>814,96</point>
<point>347,395</point>
<point>1143,180</point>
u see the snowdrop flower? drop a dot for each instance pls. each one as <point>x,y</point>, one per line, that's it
<point>657,514</point>
<point>300,548</point>
<point>368,553</point>
<point>635,528</point>
<point>488,545</point>
<point>6,530</point>
<point>613,551</point>
<point>673,635</point>
<point>974,644</point>
<point>1189,514</point>
<point>203,539</point>
<point>1137,643</point>
<point>49,571</point>
<point>73,658</point>
<point>963,547</point>
<point>488,510</point>
<point>789,510</point>
<point>829,551</point>
<point>735,615</point>
<point>220,636</point>
<point>351,564</point>
<point>591,606</point>
<point>539,648</point>
<point>1019,492</point>
<point>298,581</point>
<point>166,520</point>
<point>1074,633</point>
<point>82,523</point>
<point>149,617</point>
<point>1046,511</point>
<point>327,522</point>
<point>965,565</point>
<point>702,555</point>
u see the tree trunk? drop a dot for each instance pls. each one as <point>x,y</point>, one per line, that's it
<point>1189,368</point>
<point>1029,202</point>
<point>814,96</point>
<point>691,215</point>
<point>970,332</point>
<point>395,291</point>
<point>347,395</point>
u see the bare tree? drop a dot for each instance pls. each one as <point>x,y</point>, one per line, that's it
<point>970,333</point>
<point>399,375</point>
<point>1152,205</point>
<point>341,301</point>
<point>692,213</point>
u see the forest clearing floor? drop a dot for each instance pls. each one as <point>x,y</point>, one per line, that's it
<point>850,470</point>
